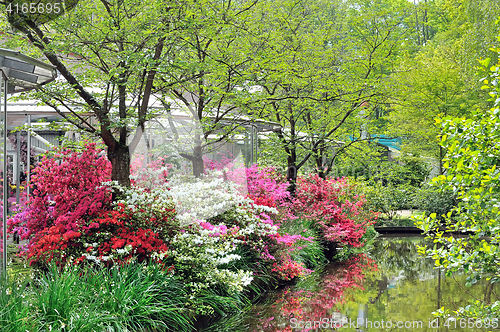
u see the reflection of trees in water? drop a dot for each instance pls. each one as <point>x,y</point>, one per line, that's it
<point>399,258</point>
<point>319,301</point>
<point>398,261</point>
<point>408,286</point>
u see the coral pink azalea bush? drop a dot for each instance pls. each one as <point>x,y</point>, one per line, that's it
<point>338,213</point>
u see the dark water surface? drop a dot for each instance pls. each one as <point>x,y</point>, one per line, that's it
<point>390,288</point>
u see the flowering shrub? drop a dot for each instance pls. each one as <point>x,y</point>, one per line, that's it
<point>68,191</point>
<point>204,256</point>
<point>109,239</point>
<point>215,165</point>
<point>338,213</point>
<point>70,217</point>
<point>201,199</point>
<point>265,183</point>
<point>118,239</point>
<point>207,251</point>
<point>287,269</point>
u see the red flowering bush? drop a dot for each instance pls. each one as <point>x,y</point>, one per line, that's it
<point>111,238</point>
<point>339,214</point>
<point>287,269</point>
<point>53,243</point>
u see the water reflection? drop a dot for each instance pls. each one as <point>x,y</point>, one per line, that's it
<point>390,288</point>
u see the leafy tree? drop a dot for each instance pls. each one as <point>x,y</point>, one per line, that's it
<point>429,85</point>
<point>208,75</point>
<point>118,47</point>
<point>115,57</point>
<point>441,77</point>
<point>471,165</point>
<point>319,69</point>
<point>468,27</point>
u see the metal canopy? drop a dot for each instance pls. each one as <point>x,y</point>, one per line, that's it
<point>18,73</point>
<point>24,73</point>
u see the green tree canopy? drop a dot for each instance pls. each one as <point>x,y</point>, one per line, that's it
<point>115,57</point>
<point>319,67</point>
<point>472,172</point>
<point>426,86</point>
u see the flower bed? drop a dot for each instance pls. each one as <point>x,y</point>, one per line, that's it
<point>221,237</point>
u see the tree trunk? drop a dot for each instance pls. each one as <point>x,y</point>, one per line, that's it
<point>318,157</point>
<point>198,167</point>
<point>120,162</point>
<point>291,176</point>
<point>320,167</point>
<point>441,157</point>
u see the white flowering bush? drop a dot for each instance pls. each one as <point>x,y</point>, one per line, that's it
<point>205,259</point>
<point>201,199</point>
<point>210,254</point>
<point>214,234</point>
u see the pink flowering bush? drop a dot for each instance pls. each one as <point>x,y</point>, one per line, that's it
<point>339,215</point>
<point>70,217</point>
<point>266,186</point>
<point>67,192</point>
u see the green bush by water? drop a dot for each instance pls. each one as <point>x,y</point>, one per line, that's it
<point>388,199</point>
<point>433,200</point>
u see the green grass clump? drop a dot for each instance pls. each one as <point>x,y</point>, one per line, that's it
<point>134,297</point>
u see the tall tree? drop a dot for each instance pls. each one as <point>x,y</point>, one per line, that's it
<point>319,67</point>
<point>429,85</point>
<point>207,75</point>
<point>468,26</point>
<point>116,47</point>
<point>116,57</point>
<point>442,77</point>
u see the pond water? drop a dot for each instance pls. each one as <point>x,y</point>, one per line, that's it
<point>389,288</point>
